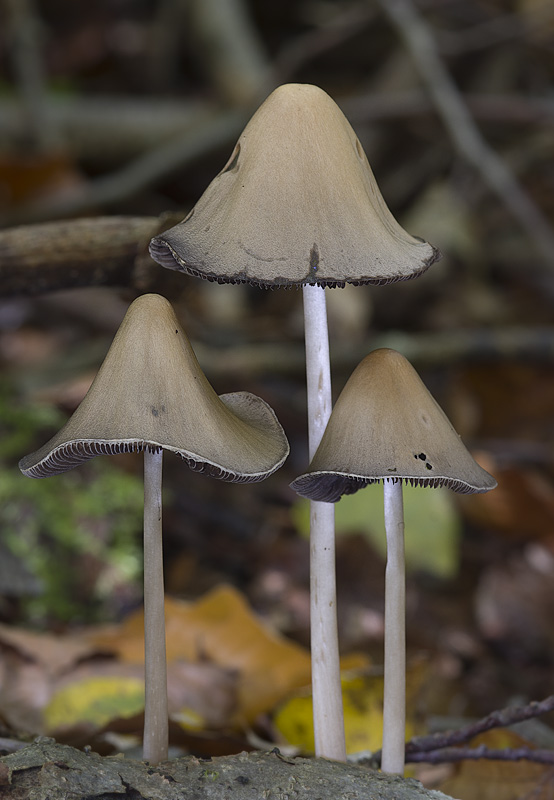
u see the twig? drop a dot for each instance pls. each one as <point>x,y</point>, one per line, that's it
<point>442,747</point>
<point>452,754</point>
<point>502,718</point>
<point>462,129</point>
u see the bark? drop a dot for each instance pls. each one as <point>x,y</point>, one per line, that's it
<point>48,771</point>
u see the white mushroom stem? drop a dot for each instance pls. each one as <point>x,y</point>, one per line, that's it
<point>326,684</point>
<point>394,706</point>
<point>155,744</point>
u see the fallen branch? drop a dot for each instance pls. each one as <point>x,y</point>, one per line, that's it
<point>502,718</point>
<point>441,748</point>
<point>101,251</point>
<point>454,754</point>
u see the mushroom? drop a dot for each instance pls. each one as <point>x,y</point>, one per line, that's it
<point>386,427</point>
<point>297,205</point>
<point>151,395</point>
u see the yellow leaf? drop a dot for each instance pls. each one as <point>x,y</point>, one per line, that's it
<point>362,697</point>
<point>95,701</point>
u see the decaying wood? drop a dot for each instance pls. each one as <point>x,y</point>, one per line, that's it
<point>100,251</point>
<point>49,771</point>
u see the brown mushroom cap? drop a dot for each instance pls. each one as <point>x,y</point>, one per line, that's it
<point>385,425</point>
<point>297,203</point>
<point>151,393</point>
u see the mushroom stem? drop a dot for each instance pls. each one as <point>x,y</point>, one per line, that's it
<point>155,744</point>
<point>326,683</point>
<point>394,704</point>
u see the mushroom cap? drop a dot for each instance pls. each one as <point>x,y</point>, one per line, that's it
<point>297,203</point>
<point>151,393</point>
<point>387,426</point>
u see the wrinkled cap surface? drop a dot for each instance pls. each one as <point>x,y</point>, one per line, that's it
<point>297,203</point>
<point>387,426</point>
<point>151,393</point>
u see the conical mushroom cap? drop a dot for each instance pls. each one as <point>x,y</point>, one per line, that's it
<point>296,203</point>
<point>151,393</point>
<point>386,425</point>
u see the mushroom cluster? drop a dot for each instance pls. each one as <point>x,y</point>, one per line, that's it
<point>296,205</point>
<point>151,395</point>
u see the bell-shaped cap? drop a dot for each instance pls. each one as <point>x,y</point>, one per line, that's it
<point>387,426</point>
<point>297,203</point>
<point>151,393</point>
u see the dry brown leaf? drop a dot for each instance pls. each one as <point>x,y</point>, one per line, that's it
<point>30,664</point>
<point>54,654</point>
<point>221,629</point>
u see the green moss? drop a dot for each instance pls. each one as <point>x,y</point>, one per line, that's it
<point>78,533</point>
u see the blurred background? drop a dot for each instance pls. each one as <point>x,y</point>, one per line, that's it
<point>127,109</point>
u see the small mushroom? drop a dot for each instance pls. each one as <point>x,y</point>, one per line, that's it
<point>386,427</point>
<point>151,395</point>
<point>298,205</point>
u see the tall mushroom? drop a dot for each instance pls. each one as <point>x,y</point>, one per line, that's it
<point>297,205</point>
<point>386,427</point>
<point>151,395</point>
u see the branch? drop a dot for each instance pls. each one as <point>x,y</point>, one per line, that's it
<point>465,135</point>
<point>102,251</point>
<point>502,718</point>
<point>452,754</point>
<point>441,747</point>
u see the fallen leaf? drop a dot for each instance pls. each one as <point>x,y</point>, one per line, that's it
<point>221,629</point>
<point>54,653</point>
<point>95,701</point>
<point>362,697</point>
